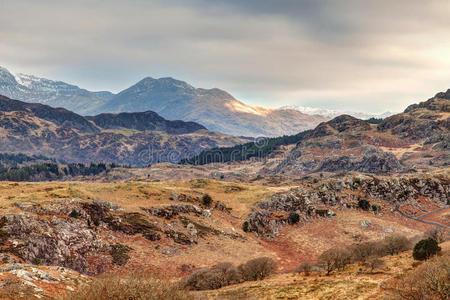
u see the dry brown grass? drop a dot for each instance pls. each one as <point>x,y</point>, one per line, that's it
<point>356,281</point>
<point>130,286</point>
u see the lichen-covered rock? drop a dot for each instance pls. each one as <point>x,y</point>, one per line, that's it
<point>55,241</point>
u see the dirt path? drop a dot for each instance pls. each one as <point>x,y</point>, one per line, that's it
<point>419,218</point>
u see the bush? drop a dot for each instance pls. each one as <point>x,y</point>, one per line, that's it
<point>425,249</point>
<point>293,218</point>
<point>208,279</point>
<point>363,251</point>
<point>374,263</point>
<point>245,226</point>
<point>374,208</point>
<point>206,200</point>
<point>305,268</point>
<point>257,269</point>
<point>74,214</point>
<point>364,204</point>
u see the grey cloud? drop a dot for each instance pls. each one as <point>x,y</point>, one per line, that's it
<point>372,55</point>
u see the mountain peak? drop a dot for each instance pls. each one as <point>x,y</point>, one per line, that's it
<point>163,83</point>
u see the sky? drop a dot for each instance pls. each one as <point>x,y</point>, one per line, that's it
<point>360,55</point>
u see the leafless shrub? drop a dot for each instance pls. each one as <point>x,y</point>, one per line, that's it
<point>394,244</point>
<point>373,263</point>
<point>216,277</point>
<point>257,269</point>
<point>305,268</point>
<point>334,258</point>
<point>363,251</point>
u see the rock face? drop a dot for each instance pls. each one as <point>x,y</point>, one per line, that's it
<point>309,199</point>
<point>139,139</point>
<point>419,138</point>
<point>84,235</point>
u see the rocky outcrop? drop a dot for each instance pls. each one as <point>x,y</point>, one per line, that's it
<point>55,241</point>
<point>83,235</point>
<point>309,200</point>
<point>372,161</point>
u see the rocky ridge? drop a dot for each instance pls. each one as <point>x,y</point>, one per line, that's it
<point>320,199</point>
<point>137,139</point>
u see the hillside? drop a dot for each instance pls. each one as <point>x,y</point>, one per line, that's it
<point>139,139</point>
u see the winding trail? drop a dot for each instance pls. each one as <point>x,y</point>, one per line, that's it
<point>419,218</point>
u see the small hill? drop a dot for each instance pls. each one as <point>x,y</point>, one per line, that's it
<point>419,138</point>
<point>144,121</point>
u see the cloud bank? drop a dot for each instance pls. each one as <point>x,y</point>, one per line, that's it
<point>359,55</point>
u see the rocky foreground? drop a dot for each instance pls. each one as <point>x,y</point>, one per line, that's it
<point>54,236</point>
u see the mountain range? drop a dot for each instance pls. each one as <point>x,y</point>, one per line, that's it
<point>172,99</point>
<point>126,138</point>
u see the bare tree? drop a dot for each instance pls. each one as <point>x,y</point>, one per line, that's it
<point>394,244</point>
<point>335,258</point>
<point>437,233</point>
<point>373,263</point>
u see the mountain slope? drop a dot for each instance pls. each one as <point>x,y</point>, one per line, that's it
<point>33,89</point>
<point>140,138</point>
<point>214,108</point>
<point>419,138</point>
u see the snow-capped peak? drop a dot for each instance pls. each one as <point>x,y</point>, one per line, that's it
<point>334,113</point>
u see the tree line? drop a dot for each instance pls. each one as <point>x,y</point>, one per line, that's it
<point>20,167</point>
<point>260,148</point>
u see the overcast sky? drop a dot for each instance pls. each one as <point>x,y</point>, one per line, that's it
<point>361,55</point>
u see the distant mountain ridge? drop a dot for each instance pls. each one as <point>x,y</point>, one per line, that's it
<point>172,99</point>
<point>127,138</point>
<point>330,113</point>
<point>34,89</point>
<point>213,108</point>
